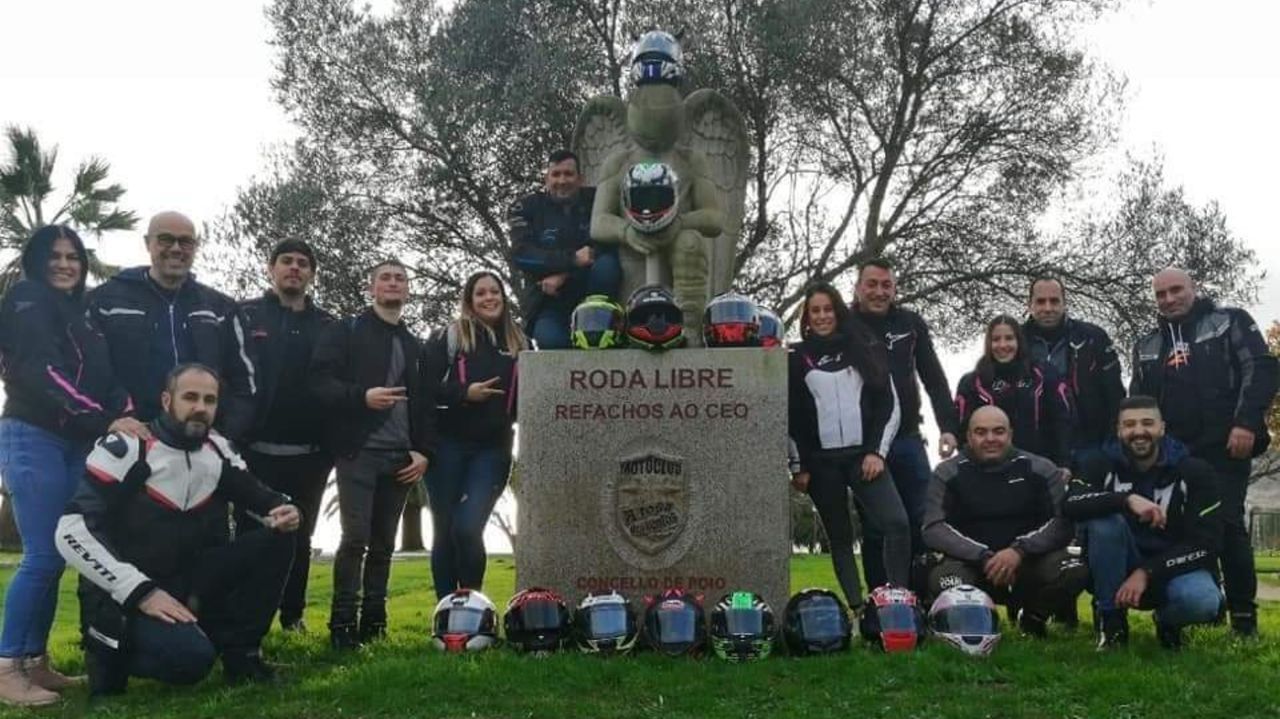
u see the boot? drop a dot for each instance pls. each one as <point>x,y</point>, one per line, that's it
<point>1033,624</point>
<point>107,677</point>
<point>1112,628</point>
<point>371,632</point>
<point>343,637</point>
<point>1245,624</point>
<point>17,689</point>
<point>247,668</point>
<point>44,675</point>
<point>1169,636</point>
<point>293,626</point>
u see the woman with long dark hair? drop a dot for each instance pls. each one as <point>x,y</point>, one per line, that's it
<point>60,395</point>
<point>842,417</point>
<point>1031,393</point>
<point>474,360</point>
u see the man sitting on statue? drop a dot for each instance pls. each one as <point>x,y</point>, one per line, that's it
<point>551,244</point>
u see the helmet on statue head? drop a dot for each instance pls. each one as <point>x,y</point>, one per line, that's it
<point>742,627</point>
<point>604,623</point>
<point>657,57</point>
<point>816,622</point>
<point>465,621</point>
<point>893,619</point>
<point>598,323</point>
<point>654,320</point>
<point>967,618</point>
<point>650,196</point>
<point>536,621</point>
<point>731,320</point>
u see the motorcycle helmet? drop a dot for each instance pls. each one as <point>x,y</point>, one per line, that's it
<point>892,618</point>
<point>966,617</point>
<point>654,320</point>
<point>771,330</point>
<point>650,196</point>
<point>742,627</point>
<point>816,622</point>
<point>657,57</point>
<point>465,621</point>
<point>604,623</point>
<point>598,323</point>
<point>731,320</point>
<point>536,620</point>
<point>674,623</point>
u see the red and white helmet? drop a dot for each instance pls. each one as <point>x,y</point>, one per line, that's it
<point>892,618</point>
<point>465,621</point>
<point>966,617</point>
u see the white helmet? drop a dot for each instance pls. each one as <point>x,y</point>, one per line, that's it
<point>966,617</point>
<point>650,196</point>
<point>465,621</point>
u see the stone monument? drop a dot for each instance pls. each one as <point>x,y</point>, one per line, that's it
<point>642,471</point>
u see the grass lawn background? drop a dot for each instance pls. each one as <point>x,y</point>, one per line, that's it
<point>403,676</point>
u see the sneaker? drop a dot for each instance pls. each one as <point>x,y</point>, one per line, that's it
<point>247,669</point>
<point>43,675</point>
<point>1245,624</point>
<point>1169,636</point>
<point>1033,624</point>
<point>294,626</point>
<point>17,689</point>
<point>343,637</point>
<point>1113,629</point>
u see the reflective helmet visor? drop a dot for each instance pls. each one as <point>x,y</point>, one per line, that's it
<point>607,621</point>
<point>749,621</point>
<point>732,311</point>
<point>966,619</point>
<point>595,318</point>
<point>538,614</point>
<point>464,620</point>
<point>820,619</point>
<point>677,624</point>
<point>648,200</point>
<point>897,618</point>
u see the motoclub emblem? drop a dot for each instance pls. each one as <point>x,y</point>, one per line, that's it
<point>651,500</point>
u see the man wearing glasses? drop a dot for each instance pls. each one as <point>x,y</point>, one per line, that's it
<point>158,317</point>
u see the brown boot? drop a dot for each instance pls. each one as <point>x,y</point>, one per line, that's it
<point>17,690</point>
<point>43,675</point>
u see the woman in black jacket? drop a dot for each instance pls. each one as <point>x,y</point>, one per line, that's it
<point>842,417</point>
<point>1031,393</point>
<point>60,395</point>
<point>476,357</point>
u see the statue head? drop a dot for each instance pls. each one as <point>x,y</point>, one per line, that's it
<point>657,58</point>
<point>655,117</point>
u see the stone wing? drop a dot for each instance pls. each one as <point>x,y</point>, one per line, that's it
<point>715,129</point>
<point>600,132</point>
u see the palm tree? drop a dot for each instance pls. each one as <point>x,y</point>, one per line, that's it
<point>26,183</point>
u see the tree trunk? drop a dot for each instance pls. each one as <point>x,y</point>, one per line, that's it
<point>9,539</point>
<point>411,525</point>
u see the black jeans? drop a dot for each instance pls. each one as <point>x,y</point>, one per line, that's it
<point>1238,575</point>
<point>1043,584</point>
<point>370,502</point>
<point>233,590</point>
<point>303,478</point>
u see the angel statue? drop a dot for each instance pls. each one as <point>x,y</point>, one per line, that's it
<point>670,175</point>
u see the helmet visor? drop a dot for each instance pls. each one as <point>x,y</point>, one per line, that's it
<point>607,621</point>
<point>731,312</point>
<point>540,614</point>
<point>897,618</point>
<point>464,620</point>
<point>966,619</point>
<point>595,319</point>
<point>651,200</point>
<point>748,621</point>
<point>820,620</point>
<point>677,625</point>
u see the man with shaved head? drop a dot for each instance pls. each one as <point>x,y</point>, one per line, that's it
<point>1213,377</point>
<point>995,512</point>
<point>157,317</point>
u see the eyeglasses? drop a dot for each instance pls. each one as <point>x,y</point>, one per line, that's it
<point>186,242</point>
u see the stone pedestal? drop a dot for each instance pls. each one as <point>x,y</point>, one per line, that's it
<point>642,471</point>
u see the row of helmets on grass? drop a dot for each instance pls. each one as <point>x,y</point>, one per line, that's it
<point>740,627</point>
<point>652,320</point>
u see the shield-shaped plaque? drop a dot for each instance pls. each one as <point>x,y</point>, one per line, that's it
<point>651,501</point>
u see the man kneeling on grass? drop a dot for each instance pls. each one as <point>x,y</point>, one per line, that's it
<point>163,589</point>
<point>1152,520</point>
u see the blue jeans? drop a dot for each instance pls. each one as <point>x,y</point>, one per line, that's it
<point>464,483</point>
<point>1191,598</point>
<point>909,465</point>
<point>40,472</point>
<point>551,327</point>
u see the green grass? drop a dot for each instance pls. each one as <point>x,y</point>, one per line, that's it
<point>1062,677</point>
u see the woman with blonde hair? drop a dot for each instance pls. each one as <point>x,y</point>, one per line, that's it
<point>475,361</point>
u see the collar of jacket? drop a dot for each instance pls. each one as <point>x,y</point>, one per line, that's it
<point>271,297</point>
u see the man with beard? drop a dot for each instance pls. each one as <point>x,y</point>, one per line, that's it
<point>1084,357</point>
<point>158,317</point>
<point>284,447</point>
<point>163,590</point>
<point>550,243</point>
<point>996,513</point>
<point>1152,521</point>
<point>911,354</point>
<point>366,374</point>
<point>1211,373</point>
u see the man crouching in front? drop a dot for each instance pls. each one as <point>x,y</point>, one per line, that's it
<point>163,588</point>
